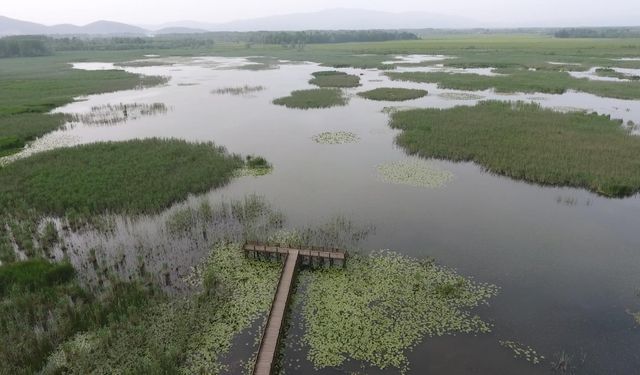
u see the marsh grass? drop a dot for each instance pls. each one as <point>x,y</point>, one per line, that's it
<point>393,94</point>
<point>609,72</point>
<point>113,114</point>
<point>550,82</point>
<point>133,177</point>
<point>241,90</point>
<point>334,79</point>
<point>525,141</point>
<point>31,88</point>
<point>314,98</point>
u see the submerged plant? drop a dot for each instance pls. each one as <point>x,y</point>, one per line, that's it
<point>242,90</point>
<point>414,172</point>
<point>382,305</point>
<point>112,114</point>
<point>334,138</point>
<point>522,351</point>
<point>460,96</point>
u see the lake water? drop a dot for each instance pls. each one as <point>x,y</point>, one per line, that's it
<point>567,261</point>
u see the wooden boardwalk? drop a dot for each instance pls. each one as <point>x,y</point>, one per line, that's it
<point>270,340</point>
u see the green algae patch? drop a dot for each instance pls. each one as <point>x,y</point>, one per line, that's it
<point>414,172</point>
<point>335,138</point>
<point>393,94</point>
<point>314,98</point>
<point>382,305</point>
<point>334,79</point>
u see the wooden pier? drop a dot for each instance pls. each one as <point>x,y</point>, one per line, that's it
<point>270,340</point>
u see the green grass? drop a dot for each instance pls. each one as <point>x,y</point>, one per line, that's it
<point>334,79</point>
<point>31,87</point>
<point>314,98</point>
<point>609,72</point>
<point>187,334</point>
<point>134,177</point>
<point>45,305</point>
<point>393,94</point>
<point>524,141</point>
<point>550,82</point>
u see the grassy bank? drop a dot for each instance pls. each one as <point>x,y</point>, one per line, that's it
<point>31,87</point>
<point>550,82</point>
<point>527,142</point>
<point>43,306</point>
<point>314,98</point>
<point>334,79</point>
<point>134,177</point>
<point>393,94</point>
<point>58,326</point>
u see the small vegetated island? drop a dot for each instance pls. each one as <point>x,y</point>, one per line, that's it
<point>525,141</point>
<point>523,80</point>
<point>314,98</point>
<point>133,177</point>
<point>334,79</point>
<point>393,94</point>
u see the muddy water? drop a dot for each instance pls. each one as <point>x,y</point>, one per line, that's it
<point>567,260</point>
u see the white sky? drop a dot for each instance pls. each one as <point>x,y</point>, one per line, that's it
<point>491,12</point>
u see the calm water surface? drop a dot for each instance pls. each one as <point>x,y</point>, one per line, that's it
<point>567,261</point>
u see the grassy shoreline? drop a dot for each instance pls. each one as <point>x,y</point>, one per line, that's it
<point>31,87</point>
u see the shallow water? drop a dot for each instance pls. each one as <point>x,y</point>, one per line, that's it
<point>566,260</point>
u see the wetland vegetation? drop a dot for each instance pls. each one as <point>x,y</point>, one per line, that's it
<point>518,80</point>
<point>120,301</point>
<point>345,310</point>
<point>525,141</point>
<point>393,94</point>
<point>314,98</point>
<point>30,88</point>
<point>335,138</point>
<point>334,79</point>
<point>133,177</point>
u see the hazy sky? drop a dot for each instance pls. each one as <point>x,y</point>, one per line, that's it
<point>491,12</point>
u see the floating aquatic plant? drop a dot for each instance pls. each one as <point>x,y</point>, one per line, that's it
<point>334,138</point>
<point>460,96</point>
<point>254,166</point>
<point>242,90</point>
<point>382,305</point>
<point>414,172</point>
<point>111,114</point>
<point>523,351</point>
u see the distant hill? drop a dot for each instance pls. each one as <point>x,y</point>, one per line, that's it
<point>348,19</point>
<point>179,30</point>
<point>9,26</point>
<point>335,19</point>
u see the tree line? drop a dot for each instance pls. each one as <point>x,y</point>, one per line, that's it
<point>599,32</point>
